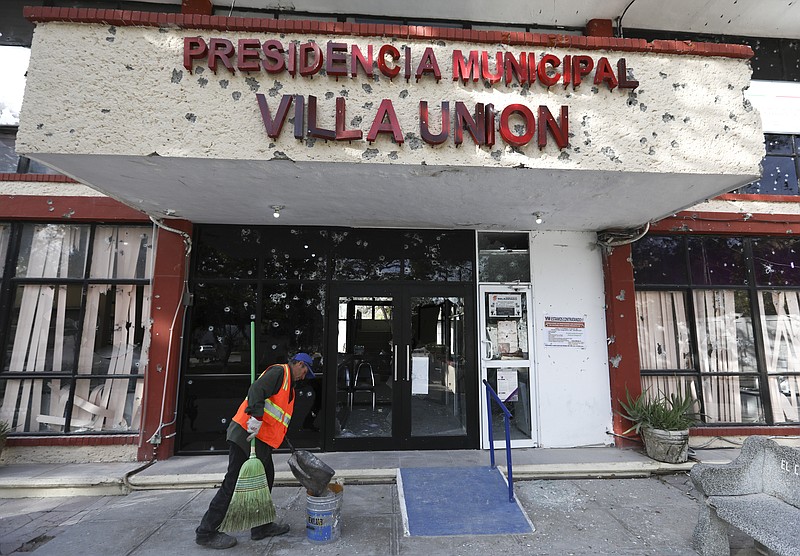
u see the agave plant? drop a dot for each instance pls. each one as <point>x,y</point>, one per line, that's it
<point>673,413</point>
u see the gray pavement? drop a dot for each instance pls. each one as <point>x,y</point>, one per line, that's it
<point>653,512</point>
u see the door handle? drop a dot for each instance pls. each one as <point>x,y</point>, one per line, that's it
<point>490,352</point>
<point>408,363</point>
<point>395,362</point>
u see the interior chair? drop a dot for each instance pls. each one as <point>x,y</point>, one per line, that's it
<point>363,381</point>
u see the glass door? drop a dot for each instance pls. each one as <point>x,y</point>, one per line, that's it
<point>506,363</point>
<point>404,374</point>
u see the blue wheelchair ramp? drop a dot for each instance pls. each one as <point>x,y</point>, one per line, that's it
<point>445,501</point>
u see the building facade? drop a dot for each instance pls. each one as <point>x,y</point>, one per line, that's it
<point>426,209</point>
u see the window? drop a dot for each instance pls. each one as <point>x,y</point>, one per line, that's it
<point>779,175</point>
<point>721,316</point>
<point>78,317</point>
<point>11,162</point>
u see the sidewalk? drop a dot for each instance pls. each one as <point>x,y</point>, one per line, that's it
<point>653,513</point>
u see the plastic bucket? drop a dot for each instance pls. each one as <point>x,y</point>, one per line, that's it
<point>323,522</point>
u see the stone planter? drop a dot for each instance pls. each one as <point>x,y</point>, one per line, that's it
<point>666,446</point>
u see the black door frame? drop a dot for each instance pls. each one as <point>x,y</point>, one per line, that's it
<point>401,438</point>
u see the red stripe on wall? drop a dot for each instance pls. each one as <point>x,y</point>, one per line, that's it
<point>72,209</point>
<point>41,14</point>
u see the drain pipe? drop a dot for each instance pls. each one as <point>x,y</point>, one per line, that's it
<point>156,439</point>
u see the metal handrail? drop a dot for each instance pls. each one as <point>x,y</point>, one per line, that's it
<point>490,393</point>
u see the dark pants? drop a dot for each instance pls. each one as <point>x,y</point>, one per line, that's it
<point>219,504</point>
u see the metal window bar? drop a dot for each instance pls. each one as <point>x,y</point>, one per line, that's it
<point>491,394</point>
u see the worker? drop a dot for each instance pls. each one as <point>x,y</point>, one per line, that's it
<point>263,415</point>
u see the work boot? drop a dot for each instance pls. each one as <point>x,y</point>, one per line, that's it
<point>270,529</point>
<point>216,540</point>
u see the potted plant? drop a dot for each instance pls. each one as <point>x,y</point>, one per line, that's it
<point>663,423</point>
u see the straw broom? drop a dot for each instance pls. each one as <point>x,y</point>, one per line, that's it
<point>251,504</point>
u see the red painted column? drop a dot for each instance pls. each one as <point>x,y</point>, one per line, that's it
<point>161,380</point>
<point>623,340</point>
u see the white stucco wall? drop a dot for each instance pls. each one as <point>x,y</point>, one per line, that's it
<point>573,384</point>
<point>106,90</point>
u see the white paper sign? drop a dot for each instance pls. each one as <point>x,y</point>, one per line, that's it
<point>505,305</point>
<point>419,374</point>
<point>565,331</point>
<point>507,385</point>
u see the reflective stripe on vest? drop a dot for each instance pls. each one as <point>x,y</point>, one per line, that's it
<point>277,413</point>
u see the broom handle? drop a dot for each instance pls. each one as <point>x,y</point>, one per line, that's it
<point>252,371</point>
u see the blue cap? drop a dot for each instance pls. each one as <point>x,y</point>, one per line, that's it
<point>305,358</point>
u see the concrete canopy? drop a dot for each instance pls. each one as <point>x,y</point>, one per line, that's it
<point>134,121</point>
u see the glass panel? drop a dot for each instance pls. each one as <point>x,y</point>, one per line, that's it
<point>514,389</point>
<point>717,261</point>
<point>776,261</point>
<point>663,331</point>
<point>778,177</point>
<point>34,405</point>
<point>220,329</point>
<point>44,329</point>
<point>5,233</point>
<point>784,392</point>
<point>116,326</point>
<point>121,252</point>
<point>725,331</point>
<point>439,256</point>
<point>503,257</point>
<point>780,328</point>
<point>35,167</point>
<point>207,406</point>
<point>228,252</point>
<point>659,260</point>
<point>506,334</point>
<point>438,392</point>
<point>664,386</point>
<point>778,144</point>
<point>295,254</point>
<point>292,320</point>
<point>364,370</point>
<point>8,156</point>
<point>377,255</point>
<point>732,399</point>
<point>52,251</point>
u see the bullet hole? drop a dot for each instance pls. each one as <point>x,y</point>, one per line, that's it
<point>674,144</point>
<point>112,30</point>
<point>404,93</point>
<point>191,117</point>
<point>128,67</point>
<point>105,110</point>
<point>343,93</point>
<point>199,69</point>
<point>310,141</point>
<point>276,86</point>
<point>39,126</point>
<point>413,141</point>
<point>279,155</point>
<point>367,87</point>
<point>236,95</point>
<point>652,151</point>
<point>687,119</point>
<point>355,122</point>
<point>393,155</point>
<point>202,82</point>
<point>662,74</point>
<point>110,39</point>
<point>368,105</point>
<point>177,75</point>
<point>224,83</point>
<point>643,107</point>
<point>643,140</point>
<point>667,117</point>
<point>564,155</point>
<point>329,95</point>
<point>632,102</point>
<point>609,152</point>
<point>253,84</point>
<point>595,90</point>
<point>497,155</point>
<point>733,117</point>
<point>369,154</point>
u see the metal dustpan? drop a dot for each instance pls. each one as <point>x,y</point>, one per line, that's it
<point>312,472</point>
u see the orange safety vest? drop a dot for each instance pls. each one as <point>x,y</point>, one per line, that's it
<point>277,412</point>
